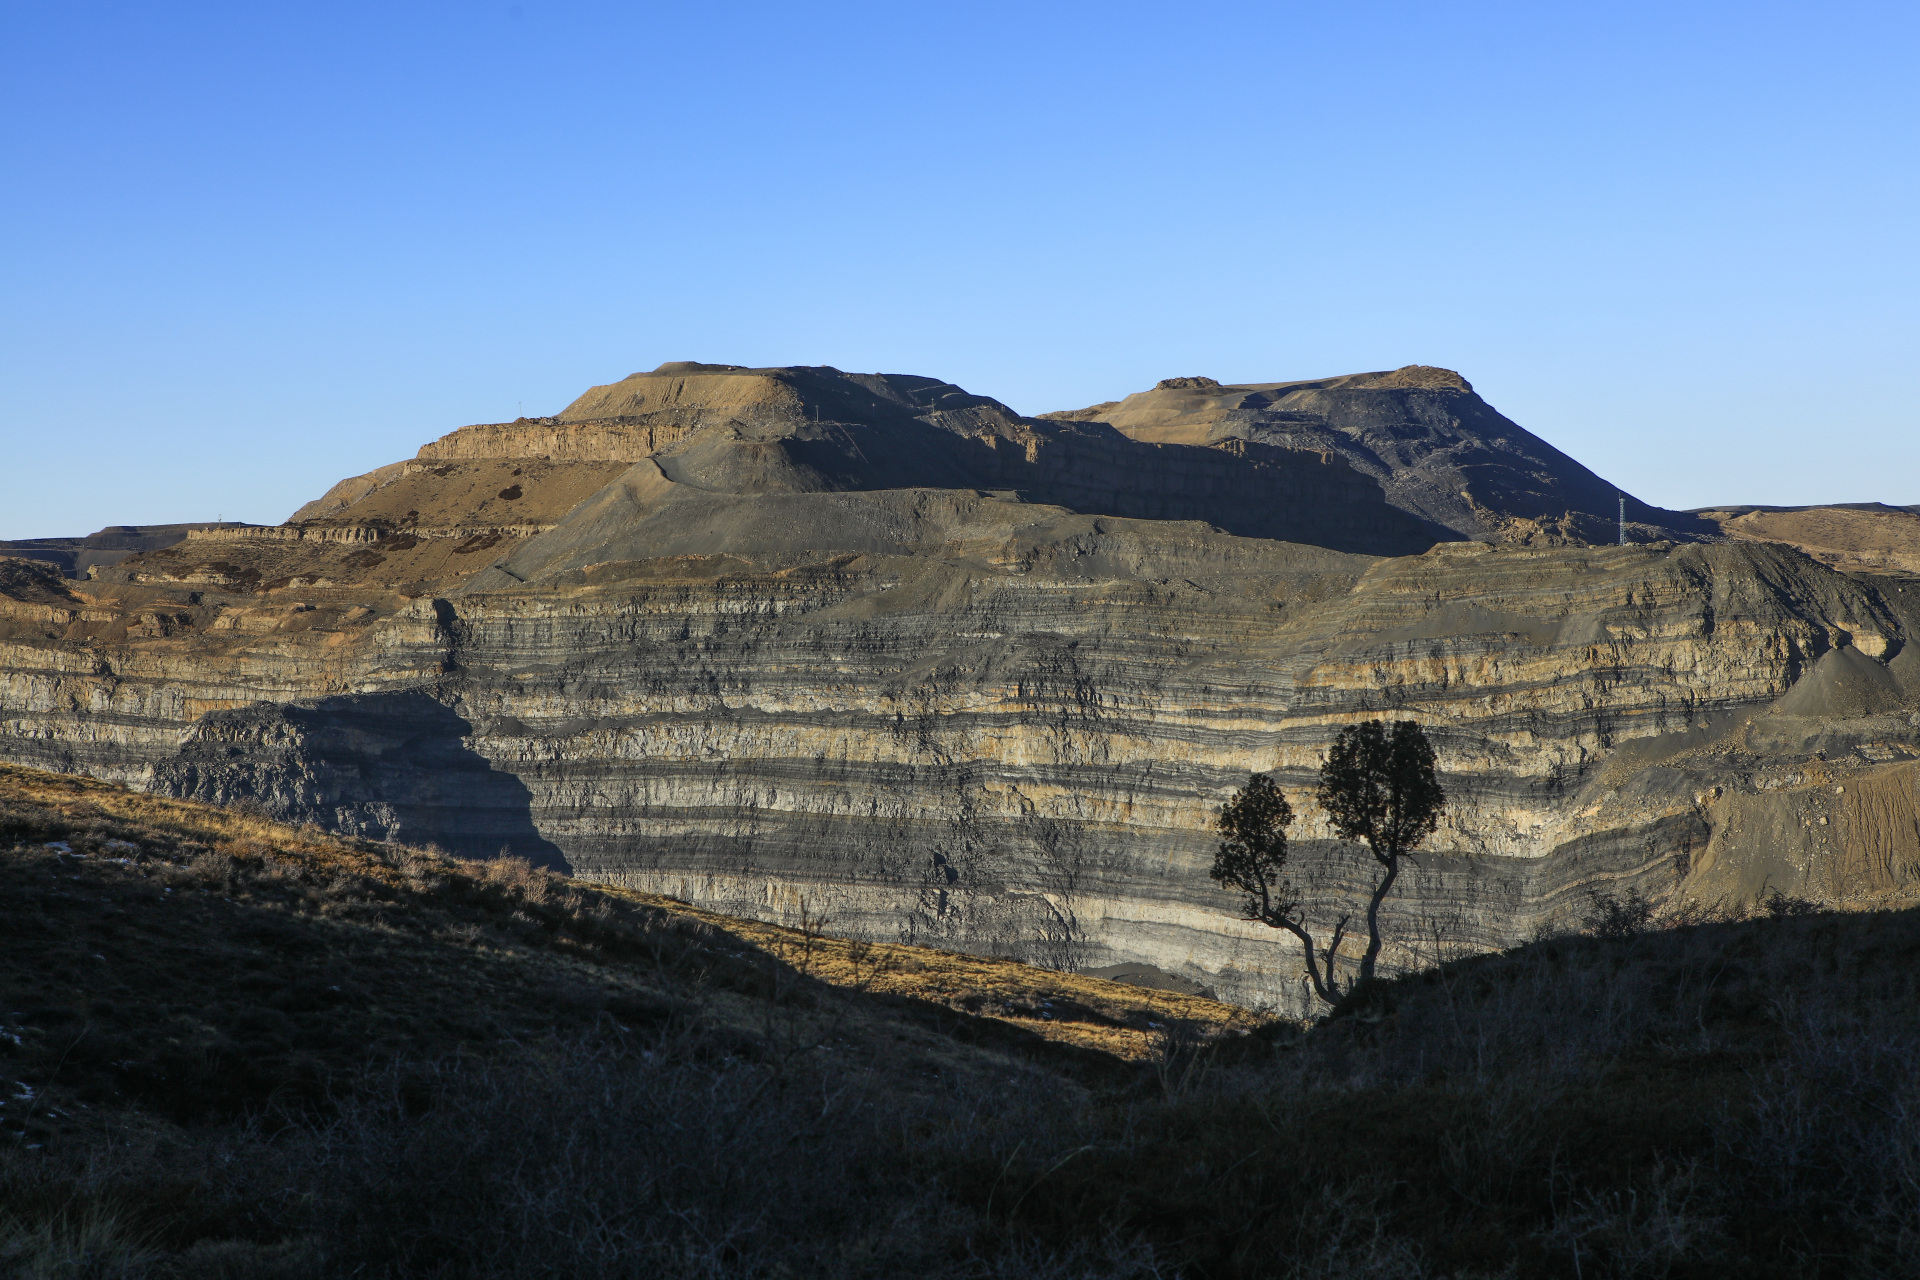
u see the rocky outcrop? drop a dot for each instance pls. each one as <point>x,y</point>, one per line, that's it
<point>621,439</point>
<point>727,429</point>
<point>723,429</point>
<point>78,557</point>
<point>746,671</point>
<point>645,413</point>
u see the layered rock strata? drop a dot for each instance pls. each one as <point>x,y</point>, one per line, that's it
<point>743,672</point>
<point>79,557</point>
<point>1016,746</point>
<point>734,430</point>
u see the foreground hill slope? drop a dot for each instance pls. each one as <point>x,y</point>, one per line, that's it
<point>231,1048</point>
<point>754,637</point>
<point>287,954</point>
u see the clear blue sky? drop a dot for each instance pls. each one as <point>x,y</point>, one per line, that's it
<point>251,249</point>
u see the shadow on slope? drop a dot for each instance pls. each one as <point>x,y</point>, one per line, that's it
<point>584,1083</point>
<point>1441,452</point>
<point>231,1048</point>
<point>724,430</point>
<point>636,1090</point>
<point>385,766</point>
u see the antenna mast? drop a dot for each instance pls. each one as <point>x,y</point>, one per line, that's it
<point>1623,519</point>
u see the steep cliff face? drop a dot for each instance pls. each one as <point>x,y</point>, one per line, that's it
<point>744,673</point>
<point>1015,744</point>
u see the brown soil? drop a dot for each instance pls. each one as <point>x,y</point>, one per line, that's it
<point>1845,538</point>
<point>481,492</point>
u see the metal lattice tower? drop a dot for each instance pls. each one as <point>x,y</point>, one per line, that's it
<point>1623,519</point>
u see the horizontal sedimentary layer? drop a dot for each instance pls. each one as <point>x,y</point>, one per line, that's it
<point>361,532</point>
<point>617,439</point>
<point>1017,743</point>
<point>877,645</point>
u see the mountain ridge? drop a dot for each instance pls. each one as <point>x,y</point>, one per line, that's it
<point>1442,453</point>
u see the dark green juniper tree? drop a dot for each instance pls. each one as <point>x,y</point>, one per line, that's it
<point>1253,859</point>
<point>1379,787</point>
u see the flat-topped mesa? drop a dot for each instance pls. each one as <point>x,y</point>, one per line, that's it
<point>816,429</point>
<point>1440,451</point>
<point>644,413</point>
<point>1869,536</point>
<point>732,393</point>
<point>496,489</point>
<point>77,557</point>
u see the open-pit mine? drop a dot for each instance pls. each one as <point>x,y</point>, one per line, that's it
<point>944,673</point>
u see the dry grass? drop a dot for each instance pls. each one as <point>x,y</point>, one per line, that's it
<point>228,1037</point>
<point>1127,1022</point>
<point>231,1049</point>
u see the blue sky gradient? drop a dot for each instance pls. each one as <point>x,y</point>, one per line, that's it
<point>249,250</point>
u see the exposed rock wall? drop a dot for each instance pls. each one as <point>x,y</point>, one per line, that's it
<point>733,430</point>
<point>770,662</point>
<point>77,557</point>
<point>624,439</point>
<point>1014,744</point>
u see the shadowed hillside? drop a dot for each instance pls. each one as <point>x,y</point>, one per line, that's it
<point>231,1048</point>
<point>1441,452</point>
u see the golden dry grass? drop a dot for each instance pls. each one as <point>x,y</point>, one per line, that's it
<point>1128,1022</point>
<point>1092,1013</point>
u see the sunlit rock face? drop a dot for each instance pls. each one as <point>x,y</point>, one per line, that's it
<point>751,670</point>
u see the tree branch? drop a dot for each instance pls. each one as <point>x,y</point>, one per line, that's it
<point>1323,986</point>
<point>1380,892</point>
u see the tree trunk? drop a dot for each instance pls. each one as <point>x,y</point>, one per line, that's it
<point>1324,987</point>
<point>1392,863</point>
